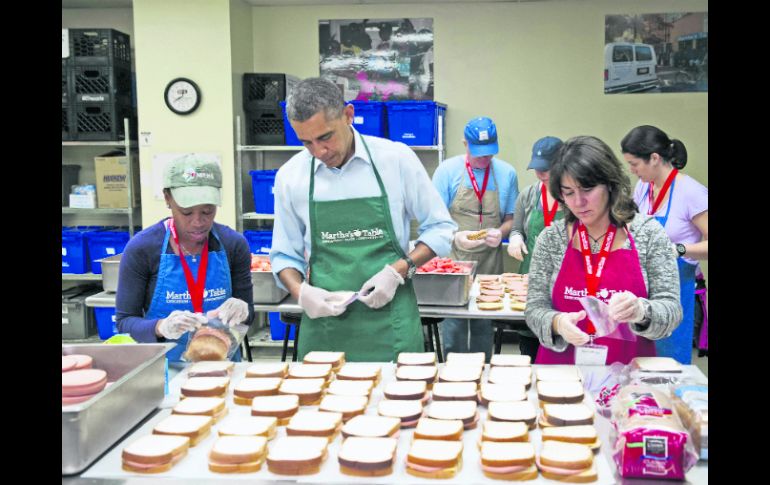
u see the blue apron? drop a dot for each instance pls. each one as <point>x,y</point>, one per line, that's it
<point>171,291</point>
<point>679,345</point>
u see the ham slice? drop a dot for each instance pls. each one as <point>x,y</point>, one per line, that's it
<point>83,382</point>
<point>503,469</point>
<point>488,299</point>
<point>422,468</point>
<point>68,363</point>
<point>557,470</point>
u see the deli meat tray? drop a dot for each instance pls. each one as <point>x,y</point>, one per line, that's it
<point>473,307</point>
<point>195,464</point>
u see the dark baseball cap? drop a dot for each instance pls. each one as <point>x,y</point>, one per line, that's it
<point>543,152</point>
<point>481,135</point>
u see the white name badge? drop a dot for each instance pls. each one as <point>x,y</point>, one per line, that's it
<point>591,354</point>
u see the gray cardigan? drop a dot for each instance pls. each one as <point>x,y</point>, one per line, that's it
<point>659,270</point>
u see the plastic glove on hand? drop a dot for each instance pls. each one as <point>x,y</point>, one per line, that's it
<point>232,312</point>
<point>516,247</point>
<point>566,326</point>
<point>385,283</point>
<point>178,322</point>
<point>626,307</point>
<point>313,300</point>
<point>494,238</point>
<point>462,241</point>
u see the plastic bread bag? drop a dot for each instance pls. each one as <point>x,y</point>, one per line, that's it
<point>599,314</point>
<point>213,341</point>
<point>691,402</point>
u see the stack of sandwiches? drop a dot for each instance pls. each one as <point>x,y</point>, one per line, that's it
<point>455,391</point>
<point>154,453</point>
<point>461,373</point>
<point>424,373</point>
<point>510,375</point>
<point>348,406</point>
<point>335,359</point>
<point>434,458</point>
<point>504,431</point>
<point>465,411</point>
<point>583,434</point>
<point>205,387</point>
<point>277,369</point>
<point>237,454</point>
<point>407,390</point>
<point>350,388</point>
<point>310,371</point>
<point>251,387</point>
<point>566,415</point>
<point>560,392</point>
<point>195,427</point>
<point>364,426</point>
<point>416,358</point>
<point>211,368</point>
<point>249,426</point>
<point>360,372</point>
<point>281,407</point>
<point>522,411</point>
<point>367,457</point>
<point>297,455</point>
<point>439,429</point>
<point>508,461</point>
<point>491,293</point>
<point>409,412</point>
<point>204,406</point>
<point>567,462</point>
<point>309,391</point>
<point>511,392</point>
<point>315,423</point>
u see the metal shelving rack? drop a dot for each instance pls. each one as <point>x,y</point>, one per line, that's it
<point>131,212</point>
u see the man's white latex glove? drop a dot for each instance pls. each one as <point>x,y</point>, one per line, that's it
<point>232,312</point>
<point>314,301</point>
<point>385,283</point>
<point>462,241</point>
<point>494,238</point>
<point>565,325</point>
<point>516,247</point>
<point>178,322</point>
<point>626,307</point>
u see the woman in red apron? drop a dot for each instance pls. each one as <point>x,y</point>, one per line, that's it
<point>603,248</point>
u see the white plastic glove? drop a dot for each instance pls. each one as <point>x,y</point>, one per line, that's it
<point>314,301</point>
<point>566,326</point>
<point>385,283</point>
<point>494,238</point>
<point>178,322</point>
<point>462,241</point>
<point>232,312</point>
<point>516,247</point>
<point>626,307</point>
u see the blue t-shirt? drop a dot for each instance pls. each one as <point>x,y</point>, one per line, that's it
<point>451,173</point>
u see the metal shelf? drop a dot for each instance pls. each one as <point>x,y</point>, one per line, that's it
<point>81,277</point>
<point>97,211</point>
<point>131,144</point>
<point>269,148</point>
<point>258,217</point>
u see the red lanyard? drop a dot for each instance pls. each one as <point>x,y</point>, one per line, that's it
<point>548,215</point>
<point>654,207</point>
<point>194,287</point>
<point>593,277</point>
<point>479,193</point>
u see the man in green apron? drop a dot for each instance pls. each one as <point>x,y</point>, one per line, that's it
<point>480,192</point>
<point>343,212</point>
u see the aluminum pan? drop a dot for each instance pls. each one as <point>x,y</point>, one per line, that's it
<point>445,289</point>
<point>110,267</point>
<point>265,290</point>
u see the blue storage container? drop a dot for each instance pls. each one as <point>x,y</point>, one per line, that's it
<point>260,242</point>
<point>290,136</point>
<point>369,118</point>
<point>105,243</point>
<point>105,322</point>
<point>74,249</point>
<point>278,328</point>
<point>416,123</point>
<point>262,183</point>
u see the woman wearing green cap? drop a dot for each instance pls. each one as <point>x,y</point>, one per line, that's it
<point>177,274</point>
<point>536,208</point>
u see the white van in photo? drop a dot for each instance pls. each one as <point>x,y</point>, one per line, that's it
<point>629,68</point>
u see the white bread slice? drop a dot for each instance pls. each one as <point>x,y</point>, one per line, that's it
<point>209,406</point>
<point>511,392</point>
<point>208,368</point>
<point>425,373</point>
<point>567,414</point>
<point>460,373</point>
<point>416,358</point>
<point>473,359</point>
<point>522,411</point>
<point>455,391</point>
<point>504,431</point>
<point>314,423</point>
<point>656,364</point>
<point>195,427</point>
<point>435,453</point>
<point>273,369</point>
<point>364,426</point>
<point>407,411</point>
<point>507,375</point>
<point>251,387</point>
<point>297,455</point>
<point>507,454</point>
<point>465,411</point>
<point>559,373</point>
<point>359,372</point>
<point>349,406</point>
<point>560,392</point>
<point>409,390</point>
<point>231,450</point>
<point>567,462</point>
<point>308,390</point>
<point>510,360</point>
<point>367,456</point>
<point>439,429</point>
<point>336,359</point>
<point>282,406</point>
<point>350,388</point>
<point>310,371</point>
<point>205,387</point>
<point>249,426</point>
<point>584,434</point>
<point>154,453</point>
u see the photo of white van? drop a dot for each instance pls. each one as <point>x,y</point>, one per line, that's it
<point>629,67</point>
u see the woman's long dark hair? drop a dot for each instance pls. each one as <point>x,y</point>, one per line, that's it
<point>645,140</point>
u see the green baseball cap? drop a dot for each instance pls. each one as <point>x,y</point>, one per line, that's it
<point>193,181</point>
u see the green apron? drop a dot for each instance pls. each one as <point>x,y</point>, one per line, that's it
<point>351,240</point>
<point>464,210</point>
<point>535,226</point>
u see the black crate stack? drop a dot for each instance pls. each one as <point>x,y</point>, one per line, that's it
<point>100,87</point>
<point>262,94</point>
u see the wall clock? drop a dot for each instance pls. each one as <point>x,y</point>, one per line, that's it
<point>182,96</point>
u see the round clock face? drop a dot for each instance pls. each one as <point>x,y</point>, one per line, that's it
<point>182,96</point>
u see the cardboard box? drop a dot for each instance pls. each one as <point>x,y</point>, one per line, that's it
<point>83,201</point>
<point>112,180</point>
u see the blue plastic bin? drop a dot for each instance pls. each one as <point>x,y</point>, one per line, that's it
<point>262,183</point>
<point>105,322</point>
<point>260,242</point>
<point>415,123</point>
<point>105,243</point>
<point>290,136</point>
<point>369,118</point>
<point>278,328</point>
<point>74,249</point>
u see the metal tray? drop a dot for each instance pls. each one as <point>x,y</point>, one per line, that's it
<point>445,289</point>
<point>137,372</point>
<point>265,289</point>
<point>110,266</point>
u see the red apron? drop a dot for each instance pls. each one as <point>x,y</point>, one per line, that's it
<point>621,272</point>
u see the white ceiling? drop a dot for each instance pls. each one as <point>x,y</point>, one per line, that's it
<point>263,3</point>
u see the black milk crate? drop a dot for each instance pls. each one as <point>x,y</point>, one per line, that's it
<point>264,91</point>
<point>66,123</point>
<point>264,127</point>
<point>107,84</point>
<point>101,121</point>
<point>100,46</point>
<point>65,81</point>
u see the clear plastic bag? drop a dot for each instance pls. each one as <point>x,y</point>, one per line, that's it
<point>691,403</point>
<point>599,313</point>
<point>213,341</point>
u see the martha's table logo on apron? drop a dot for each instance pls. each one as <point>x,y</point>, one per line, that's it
<point>571,293</point>
<point>350,236</point>
<point>177,298</point>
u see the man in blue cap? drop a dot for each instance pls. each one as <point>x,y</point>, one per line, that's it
<point>480,192</point>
